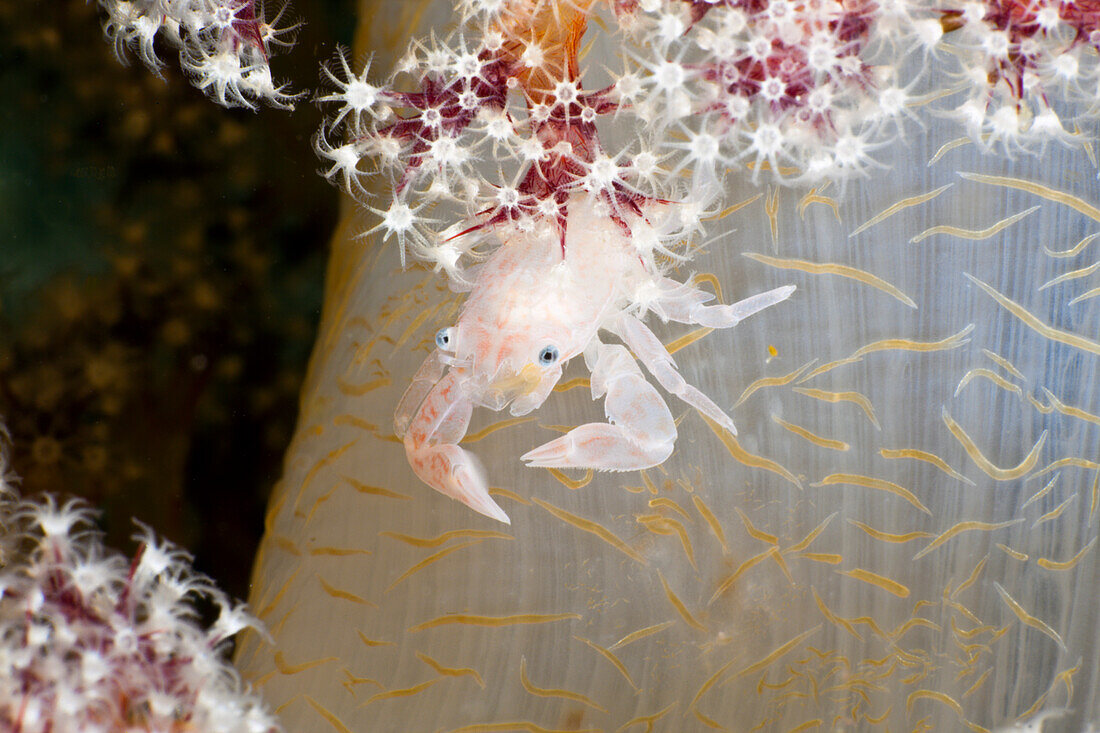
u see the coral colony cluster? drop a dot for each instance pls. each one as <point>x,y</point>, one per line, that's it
<point>91,643</point>
<point>223,44</point>
<point>806,90</point>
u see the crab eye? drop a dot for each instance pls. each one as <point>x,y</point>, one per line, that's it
<point>548,355</point>
<point>444,339</point>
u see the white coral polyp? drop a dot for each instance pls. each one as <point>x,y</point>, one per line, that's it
<point>782,80</point>
<point>494,123</point>
<point>1017,65</point>
<point>86,646</point>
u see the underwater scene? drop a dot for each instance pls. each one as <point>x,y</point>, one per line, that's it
<point>642,365</point>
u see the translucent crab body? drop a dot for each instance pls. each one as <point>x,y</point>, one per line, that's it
<point>538,301</point>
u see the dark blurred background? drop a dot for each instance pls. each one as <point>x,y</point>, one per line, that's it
<point>161,263</point>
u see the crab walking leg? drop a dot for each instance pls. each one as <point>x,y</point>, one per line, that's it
<point>641,433</point>
<point>431,444</point>
<point>649,349</point>
<point>685,304</point>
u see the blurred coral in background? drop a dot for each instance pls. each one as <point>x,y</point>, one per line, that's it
<point>160,282</point>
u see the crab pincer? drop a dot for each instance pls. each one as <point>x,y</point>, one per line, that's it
<point>431,438</point>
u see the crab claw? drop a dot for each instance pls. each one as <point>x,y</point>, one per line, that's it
<point>641,433</point>
<point>457,473</point>
<point>431,444</point>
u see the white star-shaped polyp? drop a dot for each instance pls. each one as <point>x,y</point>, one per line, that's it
<point>1030,47</point>
<point>996,44</point>
<point>145,30</point>
<point>1065,65</point>
<point>766,142</point>
<point>822,53</point>
<point>431,117</point>
<point>850,152</point>
<point>1048,18</point>
<point>566,92</point>
<point>447,152</point>
<point>645,164</point>
<point>357,95</point>
<point>469,100</point>
<point>759,47</point>
<point>222,17</point>
<point>928,32</point>
<point>467,65</point>
<point>602,173</point>
<point>507,197</point>
<point>487,7</point>
<point>345,161</point>
<point>971,113</point>
<point>360,95</point>
<point>731,22</point>
<point>1048,123</point>
<point>531,149</point>
<point>974,12</point>
<point>737,107</point>
<point>58,521</point>
<point>851,65</point>
<point>445,256</point>
<point>767,139</point>
<point>548,207</point>
<point>820,100</point>
<point>492,40</point>
<point>533,56</point>
<point>398,218</point>
<point>892,101</point>
<point>645,240</point>
<point>689,213</point>
<point>388,148</point>
<point>220,75</point>
<point>1005,122</point>
<point>628,87</point>
<point>437,60</point>
<point>773,89</point>
<point>402,220</point>
<point>703,148</point>
<point>539,112</point>
<point>440,188</point>
<point>669,76</point>
<point>779,10</point>
<point>670,26</point>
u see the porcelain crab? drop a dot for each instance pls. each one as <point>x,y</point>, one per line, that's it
<point>538,301</point>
